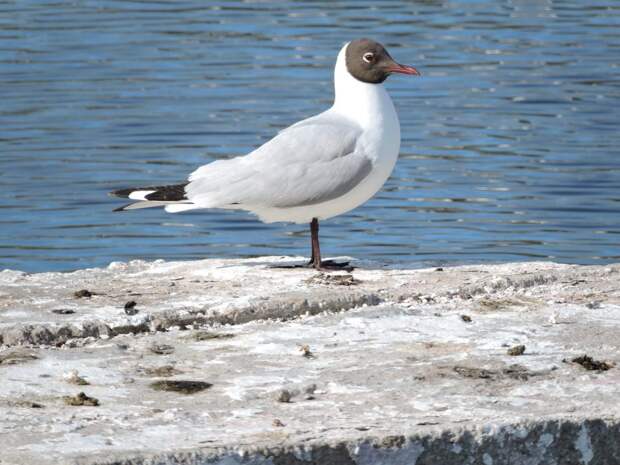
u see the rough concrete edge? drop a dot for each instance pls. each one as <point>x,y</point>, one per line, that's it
<point>283,308</point>
<point>491,285</point>
<point>594,441</point>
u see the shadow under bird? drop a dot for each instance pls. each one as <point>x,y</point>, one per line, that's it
<point>316,169</point>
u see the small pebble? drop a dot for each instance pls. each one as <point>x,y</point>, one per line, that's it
<point>74,377</point>
<point>83,293</point>
<point>305,351</point>
<point>516,350</point>
<point>161,349</point>
<point>80,400</point>
<point>130,308</point>
<point>283,395</point>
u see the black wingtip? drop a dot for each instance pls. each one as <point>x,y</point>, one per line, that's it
<point>170,193</point>
<point>122,209</point>
<point>173,192</point>
<point>124,193</point>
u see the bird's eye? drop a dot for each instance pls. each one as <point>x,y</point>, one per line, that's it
<point>368,57</point>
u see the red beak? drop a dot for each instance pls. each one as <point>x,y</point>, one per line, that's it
<point>403,69</point>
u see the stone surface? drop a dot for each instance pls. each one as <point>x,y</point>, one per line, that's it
<point>379,365</point>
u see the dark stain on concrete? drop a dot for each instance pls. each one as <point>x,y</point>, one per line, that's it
<point>590,364</point>
<point>15,357</point>
<point>182,386</point>
<point>322,455</point>
<point>83,293</point>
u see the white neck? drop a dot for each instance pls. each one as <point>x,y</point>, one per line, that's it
<point>363,102</point>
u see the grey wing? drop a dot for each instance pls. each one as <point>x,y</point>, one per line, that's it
<point>305,164</point>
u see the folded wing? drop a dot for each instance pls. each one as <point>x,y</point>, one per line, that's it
<point>314,161</point>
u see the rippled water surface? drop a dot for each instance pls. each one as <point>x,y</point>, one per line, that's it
<point>510,150</point>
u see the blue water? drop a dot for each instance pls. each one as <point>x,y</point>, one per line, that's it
<point>510,150</point>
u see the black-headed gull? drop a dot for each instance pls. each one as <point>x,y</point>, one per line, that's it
<point>315,169</point>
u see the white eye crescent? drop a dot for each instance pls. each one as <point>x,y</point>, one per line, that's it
<point>368,57</point>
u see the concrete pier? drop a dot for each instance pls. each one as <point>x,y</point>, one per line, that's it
<point>248,362</point>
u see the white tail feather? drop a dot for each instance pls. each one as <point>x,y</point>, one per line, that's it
<point>139,195</point>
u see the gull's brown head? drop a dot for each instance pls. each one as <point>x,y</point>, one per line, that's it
<point>368,61</point>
